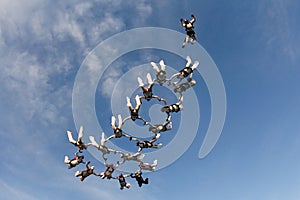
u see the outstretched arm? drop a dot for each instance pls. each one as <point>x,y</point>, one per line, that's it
<point>193,18</point>
<point>96,173</point>
<point>134,138</point>
<point>155,138</point>
<point>87,164</point>
<point>132,176</point>
<point>126,175</point>
<point>181,22</point>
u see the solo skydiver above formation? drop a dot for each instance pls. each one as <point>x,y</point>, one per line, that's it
<point>189,28</point>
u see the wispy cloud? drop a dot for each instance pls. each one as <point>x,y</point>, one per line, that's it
<point>42,45</point>
<point>277,28</point>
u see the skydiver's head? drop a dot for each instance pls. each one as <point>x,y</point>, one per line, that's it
<point>185,21</point>
<point>137,173</point>
<point>92,167</point>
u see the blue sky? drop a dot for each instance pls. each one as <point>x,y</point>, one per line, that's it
<point>255,45</point>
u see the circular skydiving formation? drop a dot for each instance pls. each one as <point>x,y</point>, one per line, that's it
<point>180,82</point>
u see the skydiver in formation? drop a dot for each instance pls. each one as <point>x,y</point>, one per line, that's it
<point>110,168</point>
<point>79,144</point>
<point>147,91</point>
<point>157,128</point>
<point>129,156</point>
<point>138,177</point>
<point>147,144</point>
<point>184,86</point>
<point>185,72</point>
<point>189,28</point>
<point>176,107</point>
<point>161,77</point>
<point>172,108</point>
<point>117,129</point>
<point>134,112</point>
<point>122,181</point>
<point>148,166</point>
<point>101,147</point>
<point>85,173</point>
<point>75,161</point>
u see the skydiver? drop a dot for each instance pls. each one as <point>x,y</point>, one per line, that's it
<point>117,129</point>
<point>138,177</point>
<point>185,72</point>
<point>160,73</point>
<point>129,156</point>
<point>104,149</point>
<point>134,112</point>
<point>79,144</point>
<point>176,107</point>
<point>75,161</point>
<point>157,128</point>
<point>85,173</point>
<point>122,181</point>
<point>147,91</point>
<point>148,166</point>
<point>184,86</point>
<point>189,28</point>
<point>110,168</point>
<point>147,144</point>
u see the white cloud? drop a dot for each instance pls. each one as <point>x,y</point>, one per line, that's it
<point>26,80</point>
<point>107,25</point>
<point>42,45</point>
<point>66,26</point>
<point>276,27</point>
<point>144,9</point>
<point>83,8</point>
